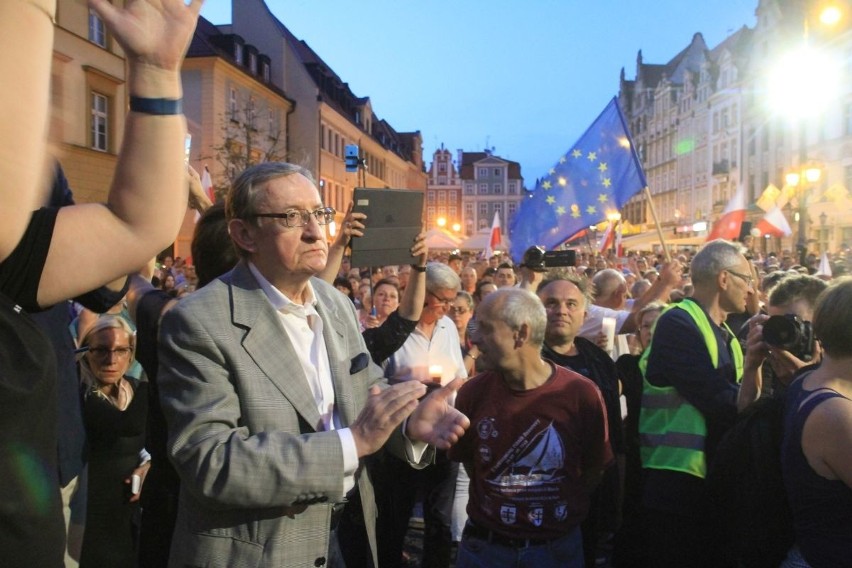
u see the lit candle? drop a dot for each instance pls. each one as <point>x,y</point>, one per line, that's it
<point>435,373</point>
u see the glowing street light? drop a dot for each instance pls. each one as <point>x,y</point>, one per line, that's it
<point>442,222</point>
<point>456,227</point>
<point>810,174</point>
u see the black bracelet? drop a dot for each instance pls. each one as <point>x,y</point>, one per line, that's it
<point>160,107</point>
<point>418,268</point>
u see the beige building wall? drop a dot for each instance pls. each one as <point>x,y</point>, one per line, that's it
<point>80,69</point>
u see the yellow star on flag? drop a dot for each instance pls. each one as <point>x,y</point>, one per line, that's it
<point>550,200</point>
<point>577,153</point>
<point>606,182</point>
<point>552,171</point>
<point>575,211</point>
<point>592,156</point>
<point>602,167</point>
<point>560,210</point>
<point>603,197</point>
<point>562,160</point>
<point>591,209</point>
<point>546,185</point>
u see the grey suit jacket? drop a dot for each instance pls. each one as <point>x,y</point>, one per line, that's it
<point>258,481</point>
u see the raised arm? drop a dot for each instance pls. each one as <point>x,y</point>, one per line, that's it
<point>353,226</point>
<point>26,43</point>
<point>414,296</point>
<point>148,196</point>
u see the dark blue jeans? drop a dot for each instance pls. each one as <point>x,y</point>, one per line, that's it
<point>565,552</point>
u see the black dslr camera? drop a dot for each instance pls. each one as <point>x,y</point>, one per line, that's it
<point>790,333</point>
<point>539,260</point>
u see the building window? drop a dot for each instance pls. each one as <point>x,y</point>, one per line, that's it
<point>453,211</point>
<point>233,103</point>
<point>468,188</point>
<point>272,123</point>
<point>468,210</point>
<point>252,62</point>
<point>430,215</point>
<point>251,113</point>
<point>452,196</point>
<point>498,188</point>
<point>483,172</point>
<point>442,197</point>
<point>511,208</point>
<point>513,187</point>
<point>483,209</point>
<point>483,224</point>
<point>430,196</point>
<point>497,172</point>
<point>100,122</point>
<point>483,188</point>
<point>322,136</point>
<point>442,167</point>
<point>238,53</point>
<point>265,71</point>
<point>97,30</point>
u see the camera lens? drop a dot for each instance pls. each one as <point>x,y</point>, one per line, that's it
<point>781,332</point>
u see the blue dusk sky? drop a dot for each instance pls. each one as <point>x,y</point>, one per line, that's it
<point>524,77</point>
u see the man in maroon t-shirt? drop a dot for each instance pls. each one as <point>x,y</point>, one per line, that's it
<point>537,445</point>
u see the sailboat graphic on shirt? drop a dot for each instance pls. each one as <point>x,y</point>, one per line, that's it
<point>538,461</point>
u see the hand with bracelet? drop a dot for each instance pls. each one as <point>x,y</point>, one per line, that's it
<point>149,191</point>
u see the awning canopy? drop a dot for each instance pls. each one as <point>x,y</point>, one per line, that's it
<point>479,241</point>
<point>437,239</point>
<point>651,240</point>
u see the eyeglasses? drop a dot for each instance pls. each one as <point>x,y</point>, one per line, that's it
<point>104,353</point>
<point>293,218</point>
<point>745,277</point>
<point>444,301</point>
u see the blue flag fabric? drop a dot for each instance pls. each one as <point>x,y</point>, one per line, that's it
<point>597,176</point>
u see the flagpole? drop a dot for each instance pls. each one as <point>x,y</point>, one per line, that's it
<point>657,224</point>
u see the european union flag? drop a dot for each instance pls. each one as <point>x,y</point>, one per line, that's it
<point>597,176</point>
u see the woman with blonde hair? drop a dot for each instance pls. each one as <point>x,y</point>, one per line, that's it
<point>115,408</point>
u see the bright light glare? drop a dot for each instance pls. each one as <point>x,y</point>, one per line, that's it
<point>830,15</point>
<point>802,83</point>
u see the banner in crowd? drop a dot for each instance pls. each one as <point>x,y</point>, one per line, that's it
<point>597,175</point>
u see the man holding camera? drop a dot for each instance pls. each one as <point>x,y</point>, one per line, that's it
<point>689,400</point>
<point>782,337</point>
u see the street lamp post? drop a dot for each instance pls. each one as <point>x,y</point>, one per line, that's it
<point>802,181</point>
<point>803,82</point>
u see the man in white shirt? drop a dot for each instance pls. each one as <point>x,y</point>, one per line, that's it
<point>431,355</point>
<point>610,299</point>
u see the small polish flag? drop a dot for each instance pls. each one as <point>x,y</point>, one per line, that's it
<point>496,236</point>
<point>774,223</point>
<point>729,224</point>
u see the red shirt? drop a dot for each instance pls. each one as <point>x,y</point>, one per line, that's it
<point>526,452</point>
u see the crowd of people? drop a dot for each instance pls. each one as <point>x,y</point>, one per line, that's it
<point>265,403</point>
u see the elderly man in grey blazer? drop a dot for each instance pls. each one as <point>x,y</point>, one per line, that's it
<point>271,398</point>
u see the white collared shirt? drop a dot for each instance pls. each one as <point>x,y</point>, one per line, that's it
<point>304,327</point>
<point>413,360</point>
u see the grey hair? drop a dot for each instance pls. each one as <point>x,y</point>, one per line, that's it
<point>713,258</point>
<point>606,281</point>
<point>439,276</point>
<point>515,307</point>
<point>241,201</point>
